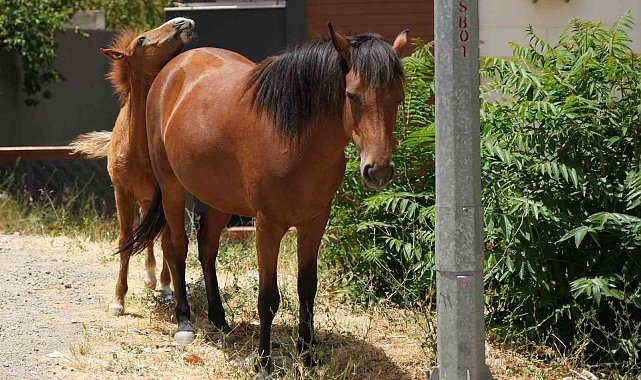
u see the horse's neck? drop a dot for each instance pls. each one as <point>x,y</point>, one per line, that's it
<point>137,122</point>
<point>324,143</point>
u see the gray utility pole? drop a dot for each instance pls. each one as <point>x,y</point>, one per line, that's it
<point>459,212</point>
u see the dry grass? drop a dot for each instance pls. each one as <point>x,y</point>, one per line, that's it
<point>354,341</point>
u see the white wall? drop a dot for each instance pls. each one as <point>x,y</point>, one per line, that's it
<point>502,21</point>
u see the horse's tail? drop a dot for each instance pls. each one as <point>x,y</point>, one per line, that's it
<point>92,144</point>
<point>149,227</point>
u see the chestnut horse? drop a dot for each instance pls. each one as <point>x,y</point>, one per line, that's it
<point>267,141</point>
<point>136,59</point>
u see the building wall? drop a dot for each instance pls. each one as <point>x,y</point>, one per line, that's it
<point>502,21</point>
<point>385,17</point>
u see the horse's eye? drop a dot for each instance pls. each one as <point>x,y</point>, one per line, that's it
<point>141,40</point>
<point>350,95</point>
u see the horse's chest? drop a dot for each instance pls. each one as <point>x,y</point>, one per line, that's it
<point>299,195</point>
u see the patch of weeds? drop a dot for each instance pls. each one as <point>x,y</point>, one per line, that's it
<point>72,212</point>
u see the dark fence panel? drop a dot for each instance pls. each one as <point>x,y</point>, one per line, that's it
<point>255,32</point>
<point>83,102</point>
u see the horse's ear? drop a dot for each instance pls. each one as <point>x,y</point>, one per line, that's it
<point>113,54</point>
<point>341,44</point>
<point>400,42</point>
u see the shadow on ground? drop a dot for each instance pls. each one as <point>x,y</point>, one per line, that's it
<point>340,355</point>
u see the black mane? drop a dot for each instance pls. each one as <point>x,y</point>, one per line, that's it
<point>305,84</point>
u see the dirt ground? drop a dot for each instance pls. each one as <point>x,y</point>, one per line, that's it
<point>54,324</point>
<point>49,296</point>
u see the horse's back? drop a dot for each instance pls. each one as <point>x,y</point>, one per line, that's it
<point>198,100</point>
<point>196,73</point>
<point>196,63</point>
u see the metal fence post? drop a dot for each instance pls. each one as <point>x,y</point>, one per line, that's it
<point>459,212</point>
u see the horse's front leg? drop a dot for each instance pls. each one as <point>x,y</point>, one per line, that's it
<point>268,236</point>
<point>309,238</point>
<point>126,208</point>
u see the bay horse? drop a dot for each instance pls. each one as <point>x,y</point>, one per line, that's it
<point>267,141</point>
<point>136,58</point>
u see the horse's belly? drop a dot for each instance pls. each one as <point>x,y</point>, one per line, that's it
<point>216,179</point>
<point>222,194</point>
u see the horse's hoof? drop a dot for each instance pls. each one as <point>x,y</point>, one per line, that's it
<point>150,280</point>
<point>168,299</point>
<point>184,338</point>
<point>116,310</point>
<point>167,294</point>
<point>149,284</point>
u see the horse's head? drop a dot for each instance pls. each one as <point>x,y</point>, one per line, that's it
<point>374,89</point>
<point>151,50</point>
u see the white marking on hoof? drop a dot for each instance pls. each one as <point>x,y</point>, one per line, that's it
<point>116,310</point>
<point>150,278</point>
<point>184,338</point>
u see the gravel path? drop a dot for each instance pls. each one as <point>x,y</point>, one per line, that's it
<point>48,286</point>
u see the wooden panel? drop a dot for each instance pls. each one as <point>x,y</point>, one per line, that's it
<point>37,153</point>
<point>385,17</point>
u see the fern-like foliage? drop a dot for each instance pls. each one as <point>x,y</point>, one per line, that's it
<point>562,187</point>
<point>385,240</point>
<point>561,172</point>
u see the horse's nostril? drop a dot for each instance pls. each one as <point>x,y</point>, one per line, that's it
<point>368,170</point>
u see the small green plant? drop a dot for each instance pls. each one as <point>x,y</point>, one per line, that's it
<point>73,211</point>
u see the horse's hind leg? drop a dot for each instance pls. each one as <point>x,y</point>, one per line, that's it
<point>125,206</point>
<point>174,242</point>
<point>309,238</point>
<point>208,241</point>
<point>268,236</point>
<point>165,278</point>
<point>150,260</point>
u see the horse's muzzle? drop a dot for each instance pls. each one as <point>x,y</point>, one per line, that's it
<point>377,176</point>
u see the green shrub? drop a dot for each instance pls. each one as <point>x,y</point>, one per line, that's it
<point>29,28</point>
<point>562,153</point>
